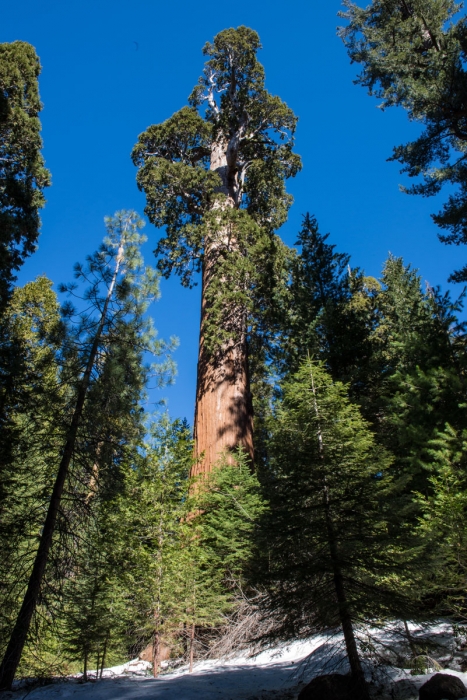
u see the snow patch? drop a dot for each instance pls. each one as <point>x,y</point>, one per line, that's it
<point>275,673</point>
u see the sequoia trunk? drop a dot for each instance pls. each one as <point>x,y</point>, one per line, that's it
<point>224,410</point>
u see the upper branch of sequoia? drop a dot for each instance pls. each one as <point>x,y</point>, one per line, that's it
<point>232,147</point>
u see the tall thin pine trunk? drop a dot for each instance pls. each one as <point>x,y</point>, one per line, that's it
<point>192,646</point>
<point>104,652</point>
<point>156,645</point>
<point>358,676</point>
<point>20,632</point>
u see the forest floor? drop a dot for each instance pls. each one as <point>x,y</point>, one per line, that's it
<point>277,673</point>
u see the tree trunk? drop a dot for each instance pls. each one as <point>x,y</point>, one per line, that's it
<point>156,645</point>
<point>104,652</point>
<point>20,632</point>
<point>224,409</point>
<point>410,639</point>
<point>358,676</point>
<point>192,646</point>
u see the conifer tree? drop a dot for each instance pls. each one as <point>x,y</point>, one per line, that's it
<point>325,316</point>
<point>413,55</point>
<point>112,328</point>
<point>213,175</point>
<point>442,519</point>
<point>419,356</point>
<point>226,505</point>
<point>22,173</point>
<point>328,559</point>
<point>94,613</point>
<point>157,499</point>
<point>31,397</point>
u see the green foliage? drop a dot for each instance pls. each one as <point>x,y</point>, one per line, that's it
<point>330,310</point>
<point>96,371</point>
<point>413,56</point>
<point>154,558</point>
<point>328,484</point>
<point>419,360</point>
<point>230,503</point>
<point>443,515</point>
<point>31,398</point>
<point>22,172</point>
<point>213,175</point>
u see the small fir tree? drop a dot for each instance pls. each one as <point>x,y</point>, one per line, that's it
<point>328,556</point>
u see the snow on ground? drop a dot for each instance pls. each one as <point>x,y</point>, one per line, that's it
<point>274,673</point>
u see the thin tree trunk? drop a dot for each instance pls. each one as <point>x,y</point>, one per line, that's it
<point>156,646</point>
<point>20,632</point>
<point>104,652</point>
<point>224,409</point>
<point>410,640</point>
<point>85,669</point>
<point>358,676</point>
<point>192,646</point>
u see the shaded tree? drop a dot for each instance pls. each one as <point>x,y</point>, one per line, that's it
<point>327,556</point>
<point>112,328</point>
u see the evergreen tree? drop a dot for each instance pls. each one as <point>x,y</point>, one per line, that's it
<point>327,315</point>
<point>157,500</point>
<point>413,55</point>
<point>443,518</point>
<point>31,397</point>
<point>103,365</point>
<point>329,558</point>
<point>230,503</point>
<point>95,611</point>
<point>213,175</point>
<point>225,508</point>
<point>22,173</point>
<point>419,356</point>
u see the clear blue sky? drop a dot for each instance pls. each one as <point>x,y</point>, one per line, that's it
<point>112,68</point>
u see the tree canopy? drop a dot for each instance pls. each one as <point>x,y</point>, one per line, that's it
<point>22,173</point>
<point>413,55</point>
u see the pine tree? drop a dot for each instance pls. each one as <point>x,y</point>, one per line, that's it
<point>230,503</point>
<point>31,397</point>
<point>225,505</point>
<point>213,175</point>
<point>22,173</point>
<point>413,56</point>
<point>329,559</point>
<point>442,519</point>
<point>112,328</point>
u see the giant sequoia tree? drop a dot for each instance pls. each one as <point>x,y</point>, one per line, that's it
<point>22,172</point>
<point>213,175</point>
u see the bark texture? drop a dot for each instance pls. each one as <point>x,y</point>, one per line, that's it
<point>224,409</point>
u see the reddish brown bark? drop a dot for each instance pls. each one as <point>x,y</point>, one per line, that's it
<point>224,411</point>
<point>224,414</point>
